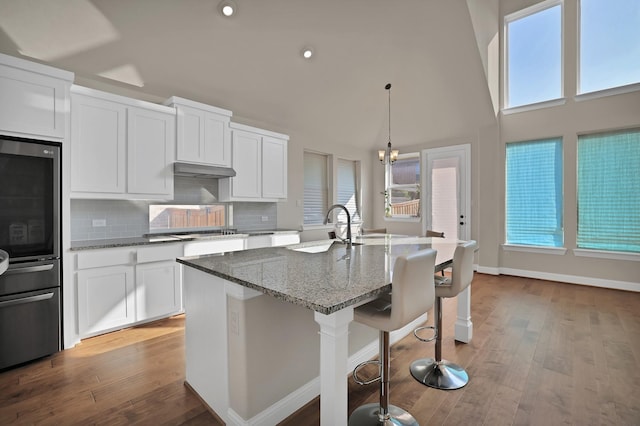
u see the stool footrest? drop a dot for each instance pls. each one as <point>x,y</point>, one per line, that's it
<point>428,339</point>
<point>358,380</point>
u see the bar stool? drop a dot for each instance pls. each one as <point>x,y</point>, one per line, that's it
<point>437,372</point>
<point>412,296</point>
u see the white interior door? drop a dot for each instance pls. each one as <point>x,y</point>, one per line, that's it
<point>446,195</point>
<point>447,186</point>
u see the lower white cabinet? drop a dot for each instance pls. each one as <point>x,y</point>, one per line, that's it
<point>106,299</point>
<point>158,290</point>
<point>118,287</point>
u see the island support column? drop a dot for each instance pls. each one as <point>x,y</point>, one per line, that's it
<point>334,355</point>
<point>464,326</point>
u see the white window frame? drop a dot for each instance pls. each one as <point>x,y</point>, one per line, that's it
<point>547,4</point>
<point>329,177</point>
<point>388,186</point>
<point>332,192</point>
<point>595,94</point>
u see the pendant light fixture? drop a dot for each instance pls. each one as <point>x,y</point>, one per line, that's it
<point>388,156</point>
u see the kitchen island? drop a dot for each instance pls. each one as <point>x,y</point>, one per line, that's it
<point>252,321</point>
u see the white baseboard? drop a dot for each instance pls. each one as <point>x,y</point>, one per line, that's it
<point>487,270</point>
<point>573,279</point>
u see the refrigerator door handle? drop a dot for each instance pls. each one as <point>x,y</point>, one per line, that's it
<point>29,269</point>
<point>29,299</point>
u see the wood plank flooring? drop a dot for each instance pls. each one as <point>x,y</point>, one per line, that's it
<point>543,353</point>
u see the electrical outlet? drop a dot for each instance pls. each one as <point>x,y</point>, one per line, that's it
<point>265,218</point>
<point>97,223</point>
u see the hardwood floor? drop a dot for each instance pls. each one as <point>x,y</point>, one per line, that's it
<point>543,353</point>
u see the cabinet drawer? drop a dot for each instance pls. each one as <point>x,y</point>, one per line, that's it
<point>107,257</point>
<point>159,253</point>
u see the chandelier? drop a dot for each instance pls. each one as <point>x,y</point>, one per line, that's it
<point>388,156</point>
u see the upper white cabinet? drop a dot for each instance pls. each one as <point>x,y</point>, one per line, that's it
<point>121,148</point>
<point>34,100</point>
<point>203,135</point>
<point>259,158</point>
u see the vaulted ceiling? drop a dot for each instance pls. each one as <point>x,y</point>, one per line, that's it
<point>251,63</point>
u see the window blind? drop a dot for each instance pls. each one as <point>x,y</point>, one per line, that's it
<point>609,191</point>
<point>316,192</point>
<point>347,190</point>
<point>534,201</point>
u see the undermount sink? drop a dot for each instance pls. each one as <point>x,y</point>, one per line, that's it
<point>4,261</point>
<point>320,248</point>
<point>317,246</point>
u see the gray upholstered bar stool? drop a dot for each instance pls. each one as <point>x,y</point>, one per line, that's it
<point>437,372</point>
<point>411,297</point>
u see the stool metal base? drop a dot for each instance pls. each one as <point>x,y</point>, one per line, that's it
<point>367,415</point>
<point>440,375</point>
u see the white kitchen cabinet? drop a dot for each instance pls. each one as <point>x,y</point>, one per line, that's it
<point>259,158</point>
<point>202,133</point>
<point>158,281</point>
<point>158,290</point>
<point>247,163</point>
<point>34,101</point>
<point>150,143</point>
<point>274,168</point>
<point>118,287</point>
<point>98,145</point>
<point>121,148</point>
<point>106,299</point>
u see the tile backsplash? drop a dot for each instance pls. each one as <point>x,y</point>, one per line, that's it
<point>106,219</point>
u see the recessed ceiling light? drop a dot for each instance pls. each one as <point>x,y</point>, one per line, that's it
<point>307,53</point>
<point>227,8</point>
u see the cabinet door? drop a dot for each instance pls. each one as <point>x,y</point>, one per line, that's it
<point>32,104</point>
<point>190,131</point>
<point>98,145</point>
<point>274,168</point>
<point>151,143</point>
<point>247,164</point>
<point>217,140</point>
<point>158,289</point>
<point>105,299</point>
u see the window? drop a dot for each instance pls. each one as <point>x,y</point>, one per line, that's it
<point>534,54</point>
<point>609,191</point>
<point>402,197</point>
<point>609,44</point>
<point>534,193</point>
<point>165,217</point>
<point>316,188</point>
<point>348,189</point>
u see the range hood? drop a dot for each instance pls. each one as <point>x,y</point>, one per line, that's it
<point>202,171</point>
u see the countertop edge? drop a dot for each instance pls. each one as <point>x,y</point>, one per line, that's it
<point>81,245</point>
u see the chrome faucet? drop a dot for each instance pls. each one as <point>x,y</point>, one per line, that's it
<point>340,206</point>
